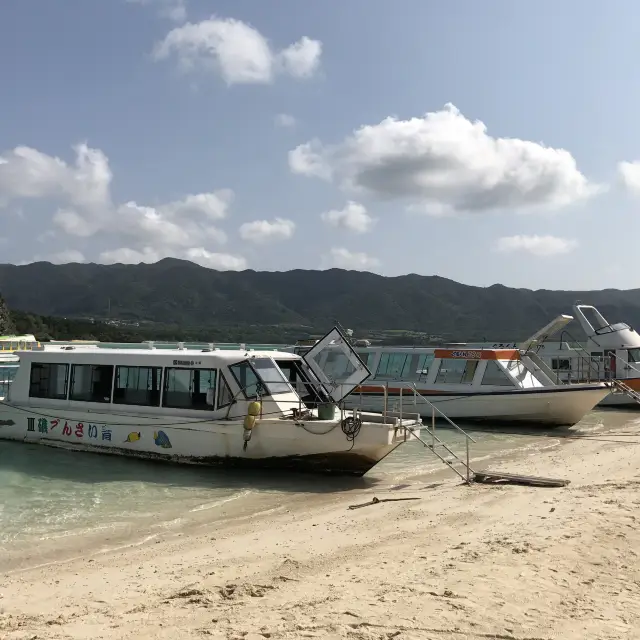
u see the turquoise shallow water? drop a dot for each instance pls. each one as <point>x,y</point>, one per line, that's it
<point>48,494</point>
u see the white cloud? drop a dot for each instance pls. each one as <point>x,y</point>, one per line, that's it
<point>155,226</point>
<point>60,257</point>
<point>285,120</point>
<point>214,205</point>
<point>302,58</point>
<point>264,231</point>
<point>219,261</point>
<point>629,173</point>
<point>182,228</point>
<point>307,159</point>
<point>237,51</point>
<point>540,246</point>
<point>124,255</point>
<point>83,191</point>
<point>345,259</point>
<point>199,255</point>
<point>175,10</point>
<point>27,173</point>
<point>353,217</point>
<point>446,163</point>
<point>176,224</point>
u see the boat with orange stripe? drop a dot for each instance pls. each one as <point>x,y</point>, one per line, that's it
<point>610,353</point>
<point>512,385</point>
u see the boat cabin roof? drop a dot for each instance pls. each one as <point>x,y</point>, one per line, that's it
<point>159,357</point>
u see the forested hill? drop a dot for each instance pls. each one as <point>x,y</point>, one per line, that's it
<point>179,294</point>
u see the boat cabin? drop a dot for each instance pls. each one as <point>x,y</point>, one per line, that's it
<point>150,381</point>
<point>203,384</point>
<point>479,369</point>
<point>610,350</point>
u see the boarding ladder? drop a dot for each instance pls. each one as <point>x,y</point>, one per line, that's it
<point>459,465</point>
<point>626,389</point>
<point>620,385</point>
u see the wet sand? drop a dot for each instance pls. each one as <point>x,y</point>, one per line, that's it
<point>460,562</point>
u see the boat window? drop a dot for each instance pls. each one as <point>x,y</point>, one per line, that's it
<point>337,365</point>
<point>91,382</point>
<point>391,365</point>
<point>137,386</point>
<point>561,364</point>
<point>456,371</point>
<point>416,366</point>
<point>495,376</point>
<point>189,388</point>
<point>300,378</point>
<point>247,380</point>
<point>611,328</point>
<point>225,397</point>
<point>49,380</point>
<point>367,357</point>
<point>271,376</point>
<point>634,355</point>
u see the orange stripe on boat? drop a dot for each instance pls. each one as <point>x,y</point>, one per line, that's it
<point>406,391</point>
<point>633,383</point>
<point>477,354</point>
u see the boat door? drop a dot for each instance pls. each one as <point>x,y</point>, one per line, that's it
<point>610,363</point>
<point>336,365</point>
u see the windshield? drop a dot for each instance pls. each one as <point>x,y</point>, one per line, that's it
<point>260,377</point>
<point>611,328</point>
<point>634,355</point>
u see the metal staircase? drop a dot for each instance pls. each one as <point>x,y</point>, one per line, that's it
<point>460,466</point>
<point>620,386</point>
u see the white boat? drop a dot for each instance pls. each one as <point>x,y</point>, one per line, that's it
<point>207,407</point>
<point>476,384</point>
<point>610,352</point>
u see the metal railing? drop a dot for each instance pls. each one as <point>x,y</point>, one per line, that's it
<point>467,476</point>
<point>19,345</point>
<point>587,368</point>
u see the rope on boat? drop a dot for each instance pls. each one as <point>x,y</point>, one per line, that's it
<point>351,427</point>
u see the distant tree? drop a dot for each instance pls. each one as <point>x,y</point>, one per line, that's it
<point>6,323</point>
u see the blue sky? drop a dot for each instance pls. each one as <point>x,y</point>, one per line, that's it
<point>481,141</point>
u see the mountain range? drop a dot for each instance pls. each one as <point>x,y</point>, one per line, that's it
<point>181,293</point>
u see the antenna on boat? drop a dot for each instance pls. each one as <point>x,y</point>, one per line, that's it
<point>347,333</point>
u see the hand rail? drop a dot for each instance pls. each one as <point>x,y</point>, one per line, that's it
<point>434,438</point>
<point>583,356</point>
<point>442,414</point>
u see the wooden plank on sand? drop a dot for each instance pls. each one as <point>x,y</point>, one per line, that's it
<point>497,477</point>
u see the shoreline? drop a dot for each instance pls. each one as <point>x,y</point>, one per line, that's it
<point>460,562</point>
<point>283,492</point>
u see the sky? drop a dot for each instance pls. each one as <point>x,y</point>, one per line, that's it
<point>483,141</point>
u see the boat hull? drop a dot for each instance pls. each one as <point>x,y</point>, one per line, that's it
<point>547,407</point>
<point>316,447</point>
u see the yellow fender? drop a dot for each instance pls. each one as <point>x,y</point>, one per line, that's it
<point>254,408</point>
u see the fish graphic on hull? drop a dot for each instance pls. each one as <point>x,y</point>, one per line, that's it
<point>134,436</point>
<point>162,439</point>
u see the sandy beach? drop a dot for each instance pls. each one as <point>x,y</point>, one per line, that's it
<point>459,562</point>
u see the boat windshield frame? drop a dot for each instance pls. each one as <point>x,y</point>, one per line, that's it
<point>612,328</point>
<point>269,387</point>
